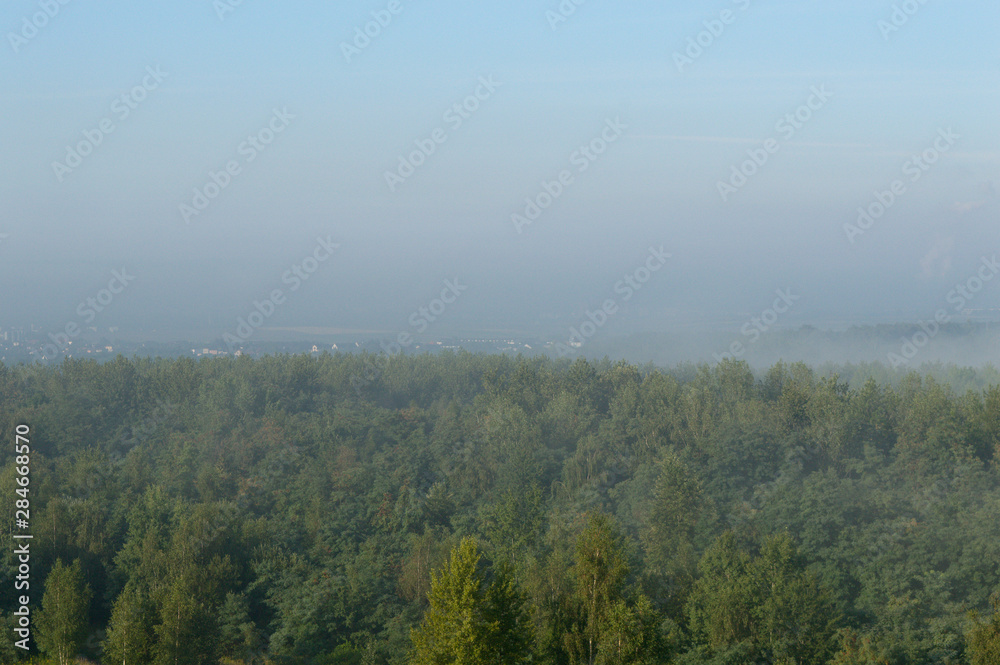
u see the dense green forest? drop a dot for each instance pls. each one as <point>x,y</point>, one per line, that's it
<point>481,509</point>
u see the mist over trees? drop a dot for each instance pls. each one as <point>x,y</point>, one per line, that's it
<point>468,508</point>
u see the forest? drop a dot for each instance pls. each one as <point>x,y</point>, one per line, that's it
<point>493,510</point>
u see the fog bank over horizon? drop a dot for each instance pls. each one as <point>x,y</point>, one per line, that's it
<point>446,170</point>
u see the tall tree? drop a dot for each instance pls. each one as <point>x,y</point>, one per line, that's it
<point>239,636</point>
<point>669,535</point>
<point>129,633</point>
<point>506,609</point>
<point>600,571</point>
<point>632,634</point>
<point>187,631</point>
<point>62,621</point>
<point>721,604</point>
<point>472,620</point>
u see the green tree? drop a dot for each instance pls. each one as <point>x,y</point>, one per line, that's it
<point>472,620</point>
<point>857,649</point>
<point>669,534</point>
<point>62,621</point>
<point>768,603</point>
<point>187,628</point>
<point>238,634</point>
<point>130,631</point>
<point>600,570</point>
<point>506,608</point>
<point>721,604</point>
<point>511,524</point>
<point>984,636</point>
<point>795,614</point>
<point>9,653</point>
<point>613,623</point>
<point>631,634</point>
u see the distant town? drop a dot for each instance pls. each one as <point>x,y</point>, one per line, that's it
<point>898,345</point>
<point>33,344</point>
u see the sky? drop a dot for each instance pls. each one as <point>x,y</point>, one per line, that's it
<point>740,138</point>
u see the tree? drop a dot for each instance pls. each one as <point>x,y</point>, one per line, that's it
<point>512,523</point>
<point>505,608</point>
<point>721,604</point>
<point>769,603</point>
<point>857,649</point>
<point>9,653</point>
<point>668,537</point>
<point>632,634</point>
<point>129,633</point>
<point>984,636</point>
<point>472,620</point>
<point>187,629</point>
<point>795,614</point>
<point>600,571</point>
<point>614,624</point>
<point>62,621</point>
<point>426,552</point>
<point>238,634</point>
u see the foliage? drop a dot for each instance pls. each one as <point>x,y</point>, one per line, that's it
<point>984,636</point>
<point>62,621</point>
<point>472,620</point>
<point>278,510</point>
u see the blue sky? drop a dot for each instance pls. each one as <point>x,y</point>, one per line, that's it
<point>325,174</point>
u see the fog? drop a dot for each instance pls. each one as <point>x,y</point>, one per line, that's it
<point>534,156</point>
